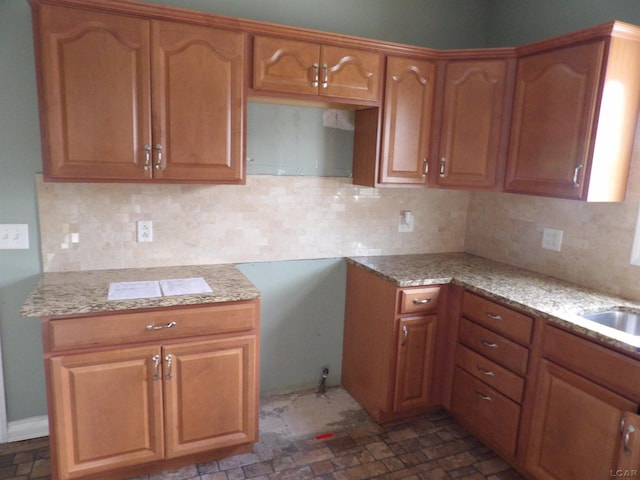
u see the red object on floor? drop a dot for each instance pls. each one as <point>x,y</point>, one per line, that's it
<point>324,435</point>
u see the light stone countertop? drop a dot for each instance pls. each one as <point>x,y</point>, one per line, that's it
<point>559,301</point>
<point>76,293</point>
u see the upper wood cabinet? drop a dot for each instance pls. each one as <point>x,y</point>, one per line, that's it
<point>407,120</point>
<point>473,113</point>
<point>298,67</point>
<point>125,98</point>
<point>575,112</point>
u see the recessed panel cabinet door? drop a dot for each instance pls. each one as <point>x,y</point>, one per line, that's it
<point>408,117</point>
<point>198,103</point>
<point>575,428</point>
<point>107,409</point>
<point>349,73</point>
<point>210,394</point>
<point>553,120</point>
<point>94,94</point>
<point>474,126</point>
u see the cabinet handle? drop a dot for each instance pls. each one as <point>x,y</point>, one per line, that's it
<point>424,301</point>
<point>316,75</point>
<point>576,171</point>
<point>158,147</point>
<point>405,335</point>
<point>443,167</point>
<point>147,157</point>
<point>493,316</point>
<point>325,75</point>
<point>156,367</point>
<point>483,396</point>
<point>425,171</point>
<point>484,371</point>
<point>168,359</point>
<point>161,327</point>
<point>627,434</point>
<point>488,344</point>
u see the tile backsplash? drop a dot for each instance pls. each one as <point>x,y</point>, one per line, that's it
<point>93,226</point>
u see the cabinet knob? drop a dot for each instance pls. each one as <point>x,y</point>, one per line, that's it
<point>316,75</point>
<point>421,302</point>
<point>156,367</point>
<point>169,360</point>
<point>627,434</point>
<point>425,170</point>
<point>443,167</point>
<point>147,157</point>
<point>483,396</point>
<point>493,316</point>
<point>488,344</point>
<point>576,172</point>
<point>151,328</point>
<point>325,75</point>
<point>158,148</point>
<point>405,335</point>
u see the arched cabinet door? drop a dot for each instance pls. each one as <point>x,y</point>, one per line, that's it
<point>198,103</point>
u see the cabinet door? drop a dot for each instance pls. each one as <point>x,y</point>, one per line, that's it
<point>552,124</point>
<point>575,428</point>
<point>474,133</point>
<point>285,65</point>
<point>349,73</point>
<point>198,103</point>
<point>93,75</point>
<point>408,111</point>
<point>416,345</point>
<point>107,410</point>
<point>210,394</point>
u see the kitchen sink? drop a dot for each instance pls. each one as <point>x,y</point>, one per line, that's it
<point>620,320</point>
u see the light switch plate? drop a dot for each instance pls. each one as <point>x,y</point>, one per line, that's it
<point>552,239</point>
<point>14,236</point>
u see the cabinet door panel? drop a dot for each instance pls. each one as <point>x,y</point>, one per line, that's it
<point>198,103</point>
<point>416,343</point>
<point>350,73</point>
<point>95,94</point>
<point>576,426</point>
<point>107,410</point>
<point>285,65</point>
<point>473,138</point>
<point>211,397</point>
<point>554,110</point>
<point>408,111</point>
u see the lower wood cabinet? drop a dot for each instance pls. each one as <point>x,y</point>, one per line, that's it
<point>118,410</point>
<point>585,421</point>
<point>390,345</point>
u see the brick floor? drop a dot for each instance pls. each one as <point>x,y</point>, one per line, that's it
<point>431,446</point>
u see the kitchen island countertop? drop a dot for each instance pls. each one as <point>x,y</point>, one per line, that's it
<point>559,301</point>
<point>86,292</point>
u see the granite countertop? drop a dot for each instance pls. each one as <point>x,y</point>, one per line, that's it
<point>558,301</point>
<point>76,293</point>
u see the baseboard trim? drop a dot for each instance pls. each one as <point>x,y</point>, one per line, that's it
<point>28,428</point>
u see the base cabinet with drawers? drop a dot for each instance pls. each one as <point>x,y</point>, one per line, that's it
<point>390,345</point>
<point>138,392</point>
<point>491,364</point>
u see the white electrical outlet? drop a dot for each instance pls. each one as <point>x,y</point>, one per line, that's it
<point>405,223</point>
<point>14,236</point>
<point>552,239</point>
<point>144,230</point>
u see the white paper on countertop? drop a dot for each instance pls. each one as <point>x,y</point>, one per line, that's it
<point>131,290</point>
<point>185,286</point>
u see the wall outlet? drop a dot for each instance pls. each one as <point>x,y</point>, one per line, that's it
<point>14,236</point>
<point>552,239</point>
<point>144,230</point>
<point>405,224</point>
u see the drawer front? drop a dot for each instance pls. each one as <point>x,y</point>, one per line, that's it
<point>490,414</point>
<point>491,373</point>
<point>151,326</point>
<point>419,300</point>
<point>596,362</point>
<point>504,320</point>
<point>494,346</point>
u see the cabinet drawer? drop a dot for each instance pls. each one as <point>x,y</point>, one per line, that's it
<point>510,323</point>
<point>491,373</point>
<point>422,299</point>
<point>499,349</point>
<point>490,414</point>
<point>596,362</point>
<point>125,328</point>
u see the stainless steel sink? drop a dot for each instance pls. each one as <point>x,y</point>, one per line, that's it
<point>620,320</point>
